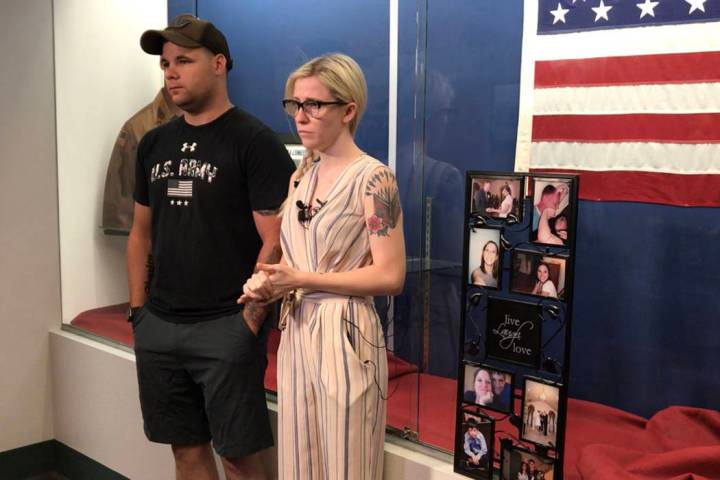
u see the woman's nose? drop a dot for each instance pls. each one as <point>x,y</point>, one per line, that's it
<point>301,116</point>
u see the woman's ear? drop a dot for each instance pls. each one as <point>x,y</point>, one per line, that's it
<point>350,112</point>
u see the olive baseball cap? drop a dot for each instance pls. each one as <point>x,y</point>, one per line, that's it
<point>190,32</point>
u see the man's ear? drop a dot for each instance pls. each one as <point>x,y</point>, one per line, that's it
<point>220,64</point>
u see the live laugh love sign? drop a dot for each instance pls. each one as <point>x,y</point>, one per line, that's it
<point>513,332</point>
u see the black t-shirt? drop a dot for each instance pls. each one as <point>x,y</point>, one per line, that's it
<point>202,184</point>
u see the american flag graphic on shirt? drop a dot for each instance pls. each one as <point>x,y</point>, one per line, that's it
<point>180,188</point>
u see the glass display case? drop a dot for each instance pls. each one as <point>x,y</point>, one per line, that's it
<point>95,96</point>
<point>443,80</point>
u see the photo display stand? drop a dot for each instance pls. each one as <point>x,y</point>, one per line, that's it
<point>516,319</point>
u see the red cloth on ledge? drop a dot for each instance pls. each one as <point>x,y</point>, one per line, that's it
<point>602,443</point>
<point>677,443</point>
<point>109,322</point>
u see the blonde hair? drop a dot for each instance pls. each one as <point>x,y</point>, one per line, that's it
<point>345,80</point>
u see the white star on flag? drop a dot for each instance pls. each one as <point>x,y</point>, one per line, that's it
<point>187,203</point>
<point>696,5</point>
<point>601,11</point>
<point>647,8</point>
<point>559,14</point>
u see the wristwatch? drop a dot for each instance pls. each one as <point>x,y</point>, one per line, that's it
<point>132,311</point>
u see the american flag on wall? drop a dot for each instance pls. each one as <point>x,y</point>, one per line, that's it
<point>626,93</point>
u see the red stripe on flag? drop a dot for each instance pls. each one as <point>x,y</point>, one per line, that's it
<point>672,128</point>
<point>647,187</point>
<point>632,70</point>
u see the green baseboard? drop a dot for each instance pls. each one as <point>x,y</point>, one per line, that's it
<point>52,457</point>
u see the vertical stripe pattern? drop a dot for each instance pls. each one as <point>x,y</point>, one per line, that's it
<point>332,364</point>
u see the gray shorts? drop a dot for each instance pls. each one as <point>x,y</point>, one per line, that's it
<point>203,381</point>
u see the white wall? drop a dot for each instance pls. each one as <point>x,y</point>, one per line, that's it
<point>97,411</point>
<point>29,270</point>
<point>102,78</point>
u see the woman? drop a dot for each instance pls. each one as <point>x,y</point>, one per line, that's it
<point>506,205</point>
<point>486,275</point>
<point>544,286</point>
<point>482,393</point>
<point>523,474</point>
<point>342,242</point>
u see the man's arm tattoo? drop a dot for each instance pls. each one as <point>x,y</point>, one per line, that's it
<point>267,213</point>
<point>382,187</point>
<point>273,257</point>
<point>253,311</point>
<point>150,268</point>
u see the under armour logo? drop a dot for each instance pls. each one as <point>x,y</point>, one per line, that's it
<point>187,147</point>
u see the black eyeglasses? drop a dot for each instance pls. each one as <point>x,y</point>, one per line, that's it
<point>310,107</point>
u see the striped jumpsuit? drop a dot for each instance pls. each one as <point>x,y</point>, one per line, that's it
<point>332,363</point>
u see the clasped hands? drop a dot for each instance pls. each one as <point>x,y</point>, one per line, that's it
<point>270,283</point>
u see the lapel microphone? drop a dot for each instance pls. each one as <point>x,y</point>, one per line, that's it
<point>303,211</point>
<point>306,212</point>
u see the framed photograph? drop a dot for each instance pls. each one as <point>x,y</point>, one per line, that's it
<point>535,273</point>
<point>553,210</point>
<point>521,464</point>
<point>513,331</point>
<point>496,195</point>
<point>541,400</point>
<point>484,257</point>
<point>474,443</point>
<point>488,387</point>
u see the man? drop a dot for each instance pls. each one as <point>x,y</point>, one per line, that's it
<point>532,470</point>
<point>207,192</point>
<point>481,198</point>
<point>501,391</point>
<point>474,445</point>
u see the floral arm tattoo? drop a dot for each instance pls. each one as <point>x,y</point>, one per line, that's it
<point>382,187</point>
